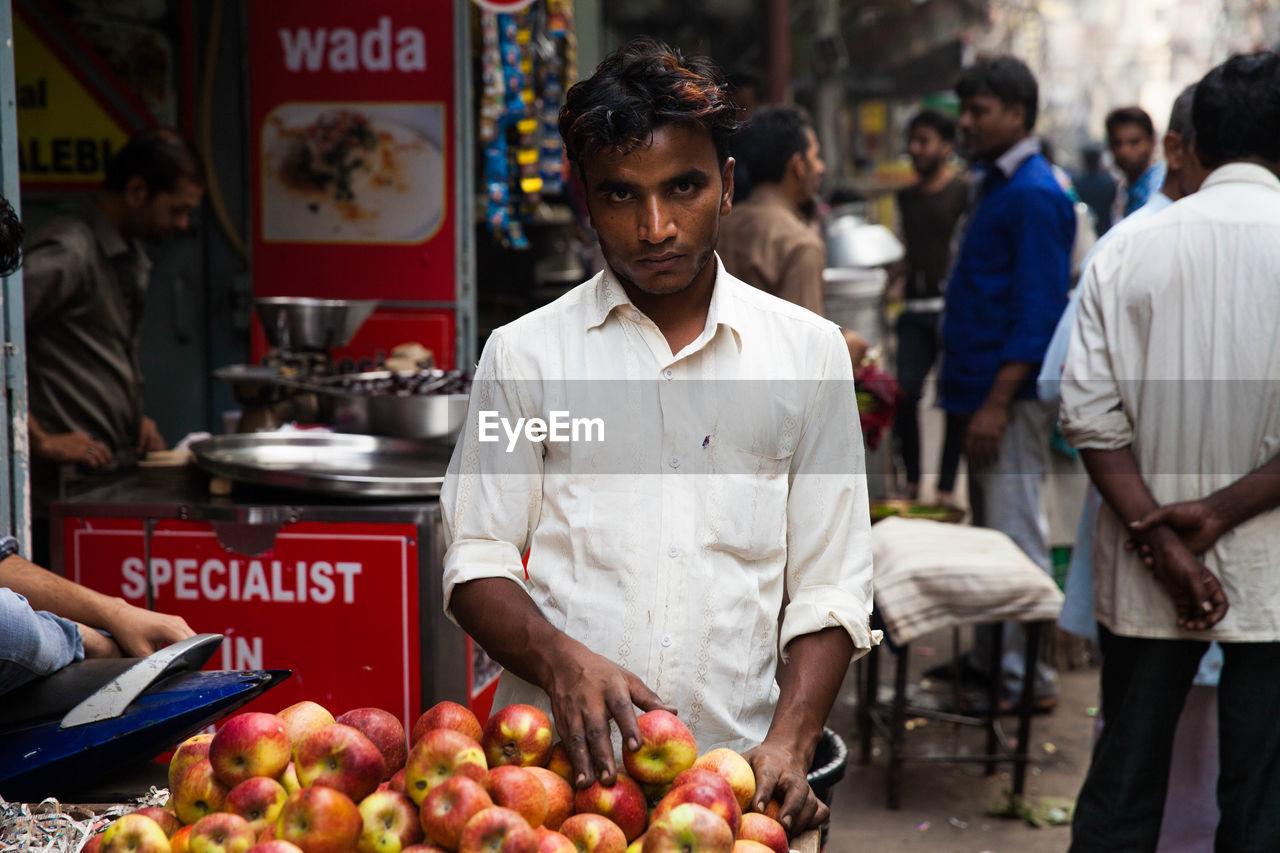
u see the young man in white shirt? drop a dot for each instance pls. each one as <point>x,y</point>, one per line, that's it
<point>730,472</point>
<point>1170,393</point>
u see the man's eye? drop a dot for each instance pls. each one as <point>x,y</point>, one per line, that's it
<point>618,195</point>
<point>684,187</point>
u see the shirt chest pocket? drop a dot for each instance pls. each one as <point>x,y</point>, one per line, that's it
<point>746,502</point>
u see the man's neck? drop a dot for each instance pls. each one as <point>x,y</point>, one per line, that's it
<point>993,157</point>
<point>113,208</point>
<point>1134,177</point>
<point>937,179</point>
<point>682,316</point>
<point>1170,185</point>
<point>784,191</point>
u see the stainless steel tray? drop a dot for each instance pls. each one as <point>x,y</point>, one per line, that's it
<point>330,463</point>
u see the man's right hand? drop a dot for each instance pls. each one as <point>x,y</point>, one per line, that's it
<point>72,447</point>
<point>586,691</point>
<point>1197,594</point>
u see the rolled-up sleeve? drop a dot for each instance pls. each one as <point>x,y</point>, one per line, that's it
<point>33,643</point>
<point>492,493</point>
<point>1092,415</point>
<point>828,573</point>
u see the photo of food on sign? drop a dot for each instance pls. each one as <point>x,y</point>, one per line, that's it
<point>352,172</point>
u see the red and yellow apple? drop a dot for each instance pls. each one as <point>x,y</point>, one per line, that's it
<point>622,802</point>
<point>688,828</point>
<point>666,748</point>
<point>745,845</point>
<point>703,776</point>
<point>736,771</point>
<point>385,731</point>
<point>559,762</point>
<point>424,848</point>
<point>275,845</point>
<point>764,829</point>
<point>519,790</point>
<point>517,734</point>
<point>302,718</point>
<point>188,752</point>
<point>559,796</point>
<point>257,800</point>
<point>713,797</point>
<point>497,830</point>
<point>448,806</point>
<point>168,820</point>
<point>250,744</point>
<point>320,820</point>
<point>134,833</point>
<point>439,754</point>
<point>198,792</point>
<point>390,823</point>
<point>342,758</point>
<point>178,841</point>
<point>221,832</point>
<point>550,841</point>
<point>447,715</point>
<point>593,833</point>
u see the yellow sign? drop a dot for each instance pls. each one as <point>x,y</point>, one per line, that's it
<point>64,135</point>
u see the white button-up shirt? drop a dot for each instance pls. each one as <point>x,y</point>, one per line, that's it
<point>1175,352</point>
<point>730,475</point>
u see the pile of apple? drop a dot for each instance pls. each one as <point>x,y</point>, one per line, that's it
<point>302,782</point>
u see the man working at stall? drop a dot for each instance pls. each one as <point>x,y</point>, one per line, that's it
<point>1170,394</point>
<point>658,560</point>
<point>1004,296</point>
<point>766,242</point>
<point>46,621</point>
<point>84,283</point>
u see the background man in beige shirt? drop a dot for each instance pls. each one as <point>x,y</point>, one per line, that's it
<point>766,240</point>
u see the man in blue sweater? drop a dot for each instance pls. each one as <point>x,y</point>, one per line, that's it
<point>1006,291</point>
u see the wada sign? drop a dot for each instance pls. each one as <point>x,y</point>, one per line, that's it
<point>351,120</point>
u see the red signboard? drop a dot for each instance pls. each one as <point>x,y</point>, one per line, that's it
<point>351,110</point>
<point>335,603</point>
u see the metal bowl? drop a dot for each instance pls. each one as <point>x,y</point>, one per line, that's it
<point>421,416</point>
<point>296,322</point>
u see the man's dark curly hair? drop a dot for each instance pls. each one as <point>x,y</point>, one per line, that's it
<point>638,88</point>
<point>10,238</point>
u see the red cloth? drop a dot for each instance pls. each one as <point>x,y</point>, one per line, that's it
<point>877,415</point>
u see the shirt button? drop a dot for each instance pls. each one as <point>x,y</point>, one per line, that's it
<point>666,640</point>
<point>668,373</point>
<point>635,315</point>
<point>675,462</point>
<point>673,551</point>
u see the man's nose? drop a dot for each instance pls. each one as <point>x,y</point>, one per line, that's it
<point>656,223</point>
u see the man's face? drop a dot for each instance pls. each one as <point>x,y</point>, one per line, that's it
<point>1131,148</point>
<point>155,216</point>
<point>657,209</point>
<point>811,166</point>
<point>989,127</point>
<point>927,150</point>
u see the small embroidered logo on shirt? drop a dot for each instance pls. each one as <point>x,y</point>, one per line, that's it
<point>706,441</point>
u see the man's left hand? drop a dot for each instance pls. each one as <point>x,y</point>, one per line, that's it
<point>781,774</point>
<point>982,439</point>
<point>140,632</point>
<point>149,437</point>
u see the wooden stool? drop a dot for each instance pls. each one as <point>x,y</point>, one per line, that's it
<point>890,720</point>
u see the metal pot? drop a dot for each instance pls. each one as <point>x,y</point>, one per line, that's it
<point>422,416</point>
<point>300,323</point>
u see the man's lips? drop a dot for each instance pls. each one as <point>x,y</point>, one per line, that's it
<point>661,262</point>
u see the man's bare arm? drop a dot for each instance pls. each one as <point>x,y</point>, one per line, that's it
<point>808,686</point>
<point>586,689</point>
<point>138,632</point>
<point>1202,522</point>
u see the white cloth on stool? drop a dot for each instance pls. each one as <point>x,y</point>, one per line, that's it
<point>931,575</point>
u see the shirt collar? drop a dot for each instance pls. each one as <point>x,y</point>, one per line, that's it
<point>111,241</point>
<point>1249,173</point>
<point>725,308</point>
<point>770,195</point>
<point>1018,153</point>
